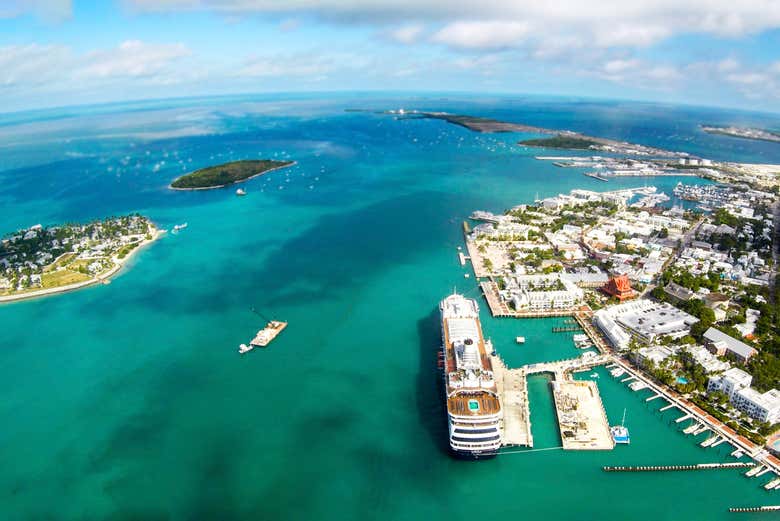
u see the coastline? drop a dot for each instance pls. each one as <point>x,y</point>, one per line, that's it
<point>101,278</point>
<point>171,187</point>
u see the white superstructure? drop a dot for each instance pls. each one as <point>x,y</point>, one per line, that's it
<point>473,407</point>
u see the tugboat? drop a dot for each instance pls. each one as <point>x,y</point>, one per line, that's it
<point>620,433</point>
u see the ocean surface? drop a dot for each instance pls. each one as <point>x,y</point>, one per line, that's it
<point>130,401</point>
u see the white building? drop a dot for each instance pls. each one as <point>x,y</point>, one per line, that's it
<point>729,382</point>
<point>654,355</point>
<point>646,319</point>
<point>762,407</point>
<point>542,292</point>
<point>709,362</point>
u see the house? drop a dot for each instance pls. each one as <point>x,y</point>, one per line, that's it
<point>720,343</point>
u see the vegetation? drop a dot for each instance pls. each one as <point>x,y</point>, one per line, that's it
<point>226,174</point>
<point>561,141</point>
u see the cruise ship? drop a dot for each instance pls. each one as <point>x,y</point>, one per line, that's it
<point>473,407</point>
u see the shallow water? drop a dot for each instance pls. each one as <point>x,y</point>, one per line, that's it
<point>129,400</point>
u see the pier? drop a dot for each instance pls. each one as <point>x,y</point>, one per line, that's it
<point>513,392</point>
<point>566,329</point>
<point>667,407</point>
<point>770,508</point>
<point>655,396</point>
<point>582,420</point>
<point>665,468</point>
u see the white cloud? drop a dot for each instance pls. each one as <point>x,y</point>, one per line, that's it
<point>407,34</point>
<point>32,64</point>
<point>605,23</point>
<point>132,58</point>
<point>482,35</point>
<point>52,10</point>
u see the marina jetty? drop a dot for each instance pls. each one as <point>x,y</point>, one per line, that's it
<point>698,466</point>
<point>220,176</point>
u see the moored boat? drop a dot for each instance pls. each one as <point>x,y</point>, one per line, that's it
<point>620,432</point>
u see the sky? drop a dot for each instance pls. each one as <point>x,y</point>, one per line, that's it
<point>706,52</point>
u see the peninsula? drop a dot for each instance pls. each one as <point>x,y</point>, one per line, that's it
<point>39,261</point>
<point>560,139</point>
<point>226,174</point>
<point>758,134</point>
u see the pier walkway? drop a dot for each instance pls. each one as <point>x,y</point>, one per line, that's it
<point>569,365</point>
<point>513,391</point>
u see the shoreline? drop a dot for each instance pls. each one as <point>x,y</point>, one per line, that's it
<point>101,278</point>
<point>171,187</point>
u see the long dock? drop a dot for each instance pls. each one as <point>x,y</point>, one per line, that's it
<point>770,508</point>
<point>664,468</point>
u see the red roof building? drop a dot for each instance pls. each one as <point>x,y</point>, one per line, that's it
<point>619,287</point>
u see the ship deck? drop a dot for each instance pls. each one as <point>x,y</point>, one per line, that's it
<point>463,403</point>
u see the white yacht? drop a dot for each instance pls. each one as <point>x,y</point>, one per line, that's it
<point>473,407</point>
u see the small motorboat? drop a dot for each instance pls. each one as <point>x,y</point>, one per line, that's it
<point>240,192</point>
<point>520,340</point>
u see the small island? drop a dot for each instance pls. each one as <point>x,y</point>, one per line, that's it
<point>758,134</point>
<point>226,174</point>
<point>565,142</point>
<point>39,261</point>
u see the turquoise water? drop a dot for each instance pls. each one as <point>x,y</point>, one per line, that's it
<point>130,401</point>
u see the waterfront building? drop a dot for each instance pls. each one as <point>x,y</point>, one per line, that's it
<point>617,336</point>
<point>762,407</point>
<point>720,343</point>
<point>473,406</point>
<point>619,287</point>
<point>729,382</point>
<point>542,292</point>
<point>644,318</point>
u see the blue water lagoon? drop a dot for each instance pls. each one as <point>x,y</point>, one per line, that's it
<point>130,400</point>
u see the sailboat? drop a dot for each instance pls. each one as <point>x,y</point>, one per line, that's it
<point>620,432</point>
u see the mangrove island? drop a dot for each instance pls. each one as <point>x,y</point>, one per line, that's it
<point>227,174</point>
